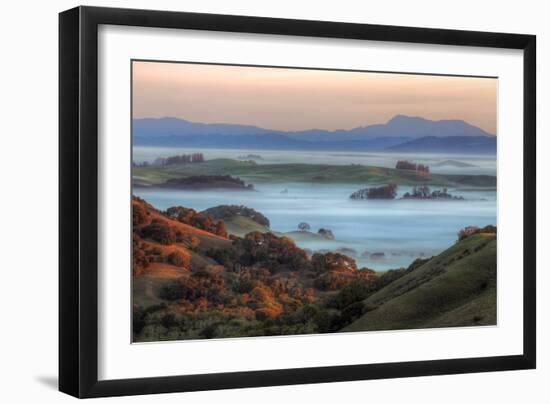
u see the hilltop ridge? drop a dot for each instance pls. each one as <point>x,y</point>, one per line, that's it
<point>397,131</point>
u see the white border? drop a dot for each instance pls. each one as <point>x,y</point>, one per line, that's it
<point>118,358</point>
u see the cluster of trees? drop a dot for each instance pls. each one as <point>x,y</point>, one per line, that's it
<point>202,220</point>
<point>261,305</point>
<point>470,230</point>
<point>226,212</point>
<point>153,238</point>
<point>143,255</point>
<point>333,262</point>
<point>409,165</point>
<point>179,159</point>
<point>383,192</point>
<point>327,233</point>
<point>159,231</point>
<point>263,250</point>
<point>336,271</point>
<point>203,285</point>
<point>424,192</point>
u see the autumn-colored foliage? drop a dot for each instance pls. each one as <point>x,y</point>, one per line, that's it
<point>252,285</point>
<point>139,258</point>
<point>408,165</point>
<point>470,230</point>
<point>199,220</point>
<point>333,262</point>
<point>159,231</point>
<point>139,214</point>
<point>271,252</point>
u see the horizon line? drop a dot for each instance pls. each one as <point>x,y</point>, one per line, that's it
<point>317,128</point>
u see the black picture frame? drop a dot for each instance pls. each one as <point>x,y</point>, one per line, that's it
<point>78,201</point>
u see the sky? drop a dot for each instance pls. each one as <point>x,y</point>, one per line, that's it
<point>298,99</point>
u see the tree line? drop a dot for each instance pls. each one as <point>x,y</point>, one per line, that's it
<point>179,159</point>
<point>409,165</point>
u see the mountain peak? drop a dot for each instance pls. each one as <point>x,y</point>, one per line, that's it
<point>403,117</point>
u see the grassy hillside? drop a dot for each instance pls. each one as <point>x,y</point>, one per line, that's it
<point>456,288</point>
<point>240,225</point>
<point>314,173</point>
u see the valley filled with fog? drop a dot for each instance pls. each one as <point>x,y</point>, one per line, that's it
<point>378,234</point>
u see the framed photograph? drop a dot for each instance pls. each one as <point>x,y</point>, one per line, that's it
<point>251,201</point>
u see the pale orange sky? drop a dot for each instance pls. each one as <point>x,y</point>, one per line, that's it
<point>296,99</point>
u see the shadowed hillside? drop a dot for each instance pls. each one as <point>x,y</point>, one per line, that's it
<point>456,288</point>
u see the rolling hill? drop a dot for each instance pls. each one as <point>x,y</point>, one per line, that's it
<point>455,288</point>
<point>313,173</point>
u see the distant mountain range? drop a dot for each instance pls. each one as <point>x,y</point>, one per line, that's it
<point>400,134</point>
